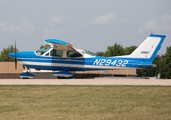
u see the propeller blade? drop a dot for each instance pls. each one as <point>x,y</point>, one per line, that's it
<point>15,56</point>
<point>15,48</point>
<point>23,67</point>
<point>15,64</point>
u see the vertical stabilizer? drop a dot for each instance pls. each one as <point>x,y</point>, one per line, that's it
<point>149,48</point>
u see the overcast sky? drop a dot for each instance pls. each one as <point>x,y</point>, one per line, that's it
<point>87,24</point>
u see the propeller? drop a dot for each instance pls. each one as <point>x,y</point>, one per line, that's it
<point>24,67</point>
<point>15,56</point>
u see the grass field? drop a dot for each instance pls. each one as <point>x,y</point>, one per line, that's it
<point>85,102</point>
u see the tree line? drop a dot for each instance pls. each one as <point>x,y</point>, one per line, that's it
<point>163,62</point>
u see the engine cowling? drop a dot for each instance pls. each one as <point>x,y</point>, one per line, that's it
<point>62,74</point>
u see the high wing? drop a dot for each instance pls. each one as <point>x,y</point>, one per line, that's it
<point>61,45</point>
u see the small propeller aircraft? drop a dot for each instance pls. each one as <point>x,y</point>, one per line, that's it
<point>62,57</point>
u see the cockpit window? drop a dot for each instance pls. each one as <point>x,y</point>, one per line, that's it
<point>56,53</point>
<point>43,50</point>
<point>73,54</point>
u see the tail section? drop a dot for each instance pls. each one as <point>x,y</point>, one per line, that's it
<point>149,48</point>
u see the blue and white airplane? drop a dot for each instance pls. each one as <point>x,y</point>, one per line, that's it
<point>62,57</point>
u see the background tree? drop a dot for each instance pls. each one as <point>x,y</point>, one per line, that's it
<point>167,61</point>
<point>4,53</point>
<point>115,50</point>
<point>107,53</point>
<point>43,46</point>
<point>100,54</point>
<point>129,50</point>
<point>164,69</point>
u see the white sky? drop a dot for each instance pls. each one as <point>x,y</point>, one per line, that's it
<point>87,24</point>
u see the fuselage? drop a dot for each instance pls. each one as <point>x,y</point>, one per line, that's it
<point>33,60</point>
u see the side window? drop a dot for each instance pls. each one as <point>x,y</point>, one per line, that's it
<point>42,50</point>
<point>56,53</point>
<point>47,54</point>
<point>73,54</point>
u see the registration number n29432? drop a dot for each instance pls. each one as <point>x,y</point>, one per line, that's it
<point>109,62</point>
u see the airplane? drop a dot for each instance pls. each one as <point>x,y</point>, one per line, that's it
<point>62,57</point>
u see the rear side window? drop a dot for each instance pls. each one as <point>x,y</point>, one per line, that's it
<point>73,54</point>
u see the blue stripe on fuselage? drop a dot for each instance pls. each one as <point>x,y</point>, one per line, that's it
<point>97,61</point>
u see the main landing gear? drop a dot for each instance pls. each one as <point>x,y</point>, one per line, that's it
<point>64,75</point>
<point>27,75</point>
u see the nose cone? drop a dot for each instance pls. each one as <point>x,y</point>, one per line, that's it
<point>24,54</point>
<point>12,54</point>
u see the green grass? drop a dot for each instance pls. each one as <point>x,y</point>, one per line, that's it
<point>85,102</point>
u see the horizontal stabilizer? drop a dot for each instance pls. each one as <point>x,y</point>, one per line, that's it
<point>146,65</point>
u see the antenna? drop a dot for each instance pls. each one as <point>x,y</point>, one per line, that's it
<point>73,41</point>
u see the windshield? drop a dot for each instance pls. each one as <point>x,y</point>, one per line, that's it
<point>43,50</point>
<point>90,53</point>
